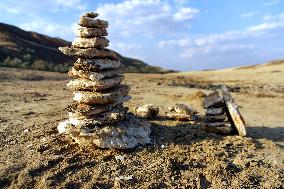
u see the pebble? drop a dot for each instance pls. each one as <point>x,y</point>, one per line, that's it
<point>147,111</point>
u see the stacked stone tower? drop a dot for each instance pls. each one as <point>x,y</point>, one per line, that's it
<point>97,116</point>
<point>222,114</point>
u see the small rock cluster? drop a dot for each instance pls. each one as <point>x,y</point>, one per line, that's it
<point>97,117</point>
<point>181,112</point>
<point>215,117</point>
<point>222,114</point>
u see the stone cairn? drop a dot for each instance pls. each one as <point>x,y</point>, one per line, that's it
<point>97,116</point>
<point>222,114</point>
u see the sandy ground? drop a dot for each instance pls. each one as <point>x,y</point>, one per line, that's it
<point>182,155</point>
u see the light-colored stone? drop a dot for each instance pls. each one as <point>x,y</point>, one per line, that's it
<point>214,99</point>
<point>90,32</point>
<point>103,97</point>
<point>96,65</point>
<point>180,117</point>
<point>234,114</point>
<point>116,114</point>
<point>84,84</point>
<point>182,109</point>
<point>87,111</point>
<point>215,111</point>
<point>88,52</point>
<point>92,23</point>
<point>95,42</point>
<point>124,134</point>
<point>94,76</point>
<point>91,14</point>
<point>147,111</point>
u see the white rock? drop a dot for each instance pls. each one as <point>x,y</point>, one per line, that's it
<point>119,157</point>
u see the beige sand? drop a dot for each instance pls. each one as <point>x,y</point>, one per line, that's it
<point>34,155</point>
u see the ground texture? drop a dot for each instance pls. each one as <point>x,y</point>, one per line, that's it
<point>34,155</point>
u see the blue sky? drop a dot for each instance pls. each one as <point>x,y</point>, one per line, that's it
<point>178,34</point>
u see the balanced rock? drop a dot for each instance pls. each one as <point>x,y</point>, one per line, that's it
<point>98,118</point>
<point>123,134</point>
<point>90,14</point>
<point>104,97</point>
<point>84,84</point>
<point>214,99</point>
<point>221,128</point>
<point>77,73</point>
<point>116,114</point>
<point>92,23</point>
<point>234,114</point>
<point>215,118</point>
<point>88,52</point>
<point>96,65</point>
<point>215,111</point>
<point>99,42</point>
<point>90,32</point>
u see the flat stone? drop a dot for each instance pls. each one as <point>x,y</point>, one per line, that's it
<point>124,134</point>
<point>214,99</point>
<point>233,112</point>
<point>218,124</point>
<point>103,97</point>
<point>90,32</point>
<point>182,109</point>
<point>92,23</point>
<point>215,111</point>
<point>180,117</point>
<point>115,114</point>
<point>94,76</point>
<point>147,111</point>
<point>88,52</point>
<point>90,14</point>
<point>214,118</point>
<point>87,111</point>
<point>95,42</point>
<point>96,65</point>
<point>221,129</point>
<point>84,84</point>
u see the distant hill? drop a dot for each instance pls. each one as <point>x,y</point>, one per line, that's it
<point>31,50</point>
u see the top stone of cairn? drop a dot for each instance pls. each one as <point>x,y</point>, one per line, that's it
<point>90,14</point>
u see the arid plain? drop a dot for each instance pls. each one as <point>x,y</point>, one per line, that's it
<point>34,155</point>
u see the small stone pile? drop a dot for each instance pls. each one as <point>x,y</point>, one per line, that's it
<point>222,114</point>
<point>97,117</point>
<point>215,117</point>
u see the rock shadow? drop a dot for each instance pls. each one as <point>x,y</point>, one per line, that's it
<point>276,134</point>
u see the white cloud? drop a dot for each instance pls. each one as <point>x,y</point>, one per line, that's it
<point>249,14</point>
<point>145,17</point>
<point>264,26</point>
<point>231,41</point>
<point>209,49</point>
<point>272,2</point>
<point>185,13</point>
<point>125,47</point>
<point>269,22</point>
<point>47,28</point>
